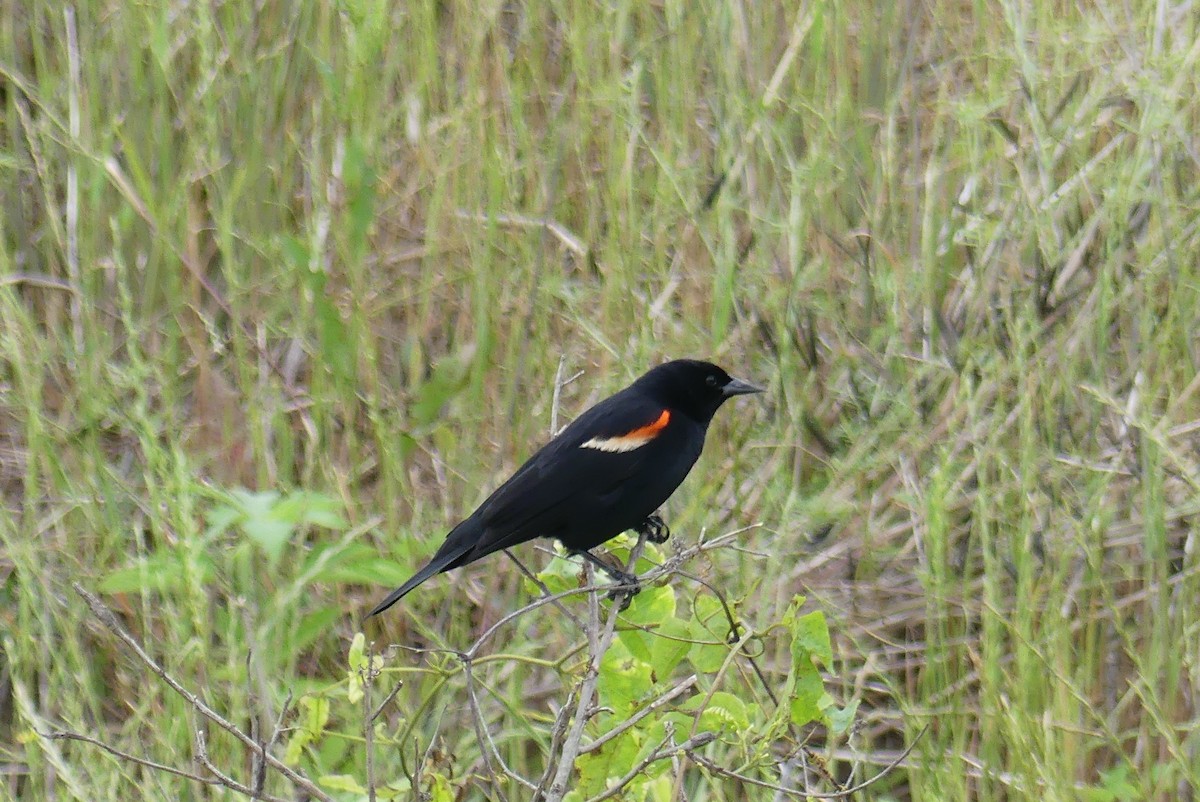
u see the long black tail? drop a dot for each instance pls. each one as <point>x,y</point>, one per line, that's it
<point>457,544</point>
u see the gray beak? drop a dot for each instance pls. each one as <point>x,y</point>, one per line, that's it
<point>739,387</point>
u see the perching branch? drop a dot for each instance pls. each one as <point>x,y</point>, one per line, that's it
<point>566,736</point>
<point>599,640</point>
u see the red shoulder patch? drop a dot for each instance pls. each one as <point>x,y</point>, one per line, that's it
<point>652,429</point>
<point>632,439</point>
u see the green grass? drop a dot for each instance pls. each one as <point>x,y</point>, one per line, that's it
<point>294,247</point>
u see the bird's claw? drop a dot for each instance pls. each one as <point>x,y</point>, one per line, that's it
<point>655,529</point>
<point>627,587</point>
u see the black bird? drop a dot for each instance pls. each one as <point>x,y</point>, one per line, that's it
<point>604,474</point>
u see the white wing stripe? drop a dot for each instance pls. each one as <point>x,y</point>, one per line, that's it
<point>616,444</point>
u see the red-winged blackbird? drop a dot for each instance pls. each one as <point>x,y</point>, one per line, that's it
<point>604,474</point>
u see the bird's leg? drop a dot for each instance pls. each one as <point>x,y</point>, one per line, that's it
<point>655,529</point>
<point>617,575</point>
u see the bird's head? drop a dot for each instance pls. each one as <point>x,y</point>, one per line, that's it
<point>693,387</point>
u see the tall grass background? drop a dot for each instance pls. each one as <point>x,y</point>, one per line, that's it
<point>339,251</point>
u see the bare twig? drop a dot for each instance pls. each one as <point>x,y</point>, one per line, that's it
<point>567,734</point>
<point>599,642</point>
<point>38,280</point>
<point>781,789</point>
<point>559,732</point>
<point>657,704</point>
<point>481,731</point>
<point>734,634</point>
<point>64,735</point>
<point>472,652</point>
<point>368,679</point>
<point>72,202</point>
<point>668,568</point>
<point>663,751</point>
<point>555,399</point>
<point>563,234</point>
<point>484,735</point>
<point>224,779</point>
<point>109,619</point>
<point>387,700</point>
<point>599,639</point>
<point>546,594</point>
<point>260,763</point>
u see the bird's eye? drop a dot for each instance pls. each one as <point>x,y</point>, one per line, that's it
<point>711,381</point>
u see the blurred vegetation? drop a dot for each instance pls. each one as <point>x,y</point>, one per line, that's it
<point>284,289</point>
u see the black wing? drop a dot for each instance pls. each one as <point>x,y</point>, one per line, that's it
<point>536,500</point>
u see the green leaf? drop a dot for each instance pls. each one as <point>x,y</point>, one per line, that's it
<point>253,504</point>
<point>366,572</point>
<point>160,573</point>
<point>311,727</point>
<point>358,648</point>
<point>448,378</point>
<point>300,739</point>
<point>559,574</point>
<point>341,782</point>
<point>331,752</point>
<point>316,713</point>
<point>357,564</point>
<point>652,605</point>
<point>361,667</point>
<point>313,626</point>
<point>163,573</point>
<point>839,719</point>
<point>810,642</point>
<point>623,678</point>
<point>721,711</point>
<point>440,789</point>
<point>221,518</point>
<point>337,352</point>
<point>406,444</point>
<point>1116,781</point>
<point>360,186</point>
<point>710,619</point>
<point>399,788</point>
<point>308,507</point>
<point>709,628</point>
<point>662,787</point>
<point>612,760</point>
<point>1093,794</point>
<point>270,535</point>
<point>706,656</point>
<point>807,694</point>
<point>637,642</point>
<point>621,546</point>
<point>269,521</point>
<point>670,642</point>
<point>810,634</point>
